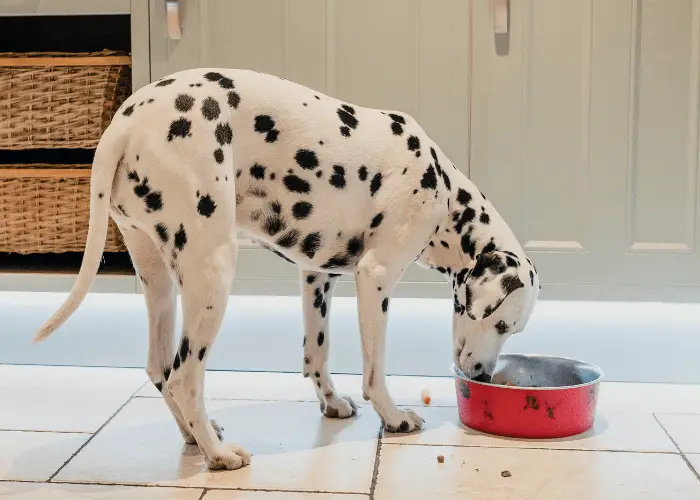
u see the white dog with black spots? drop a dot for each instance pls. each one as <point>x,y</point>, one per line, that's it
<point>333,187</point>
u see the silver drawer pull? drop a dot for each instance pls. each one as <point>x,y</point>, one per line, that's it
<point>500,16</point>
<point>172,16</point>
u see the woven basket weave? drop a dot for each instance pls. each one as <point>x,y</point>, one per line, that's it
<point>59,100</point>
<point>46,209</point>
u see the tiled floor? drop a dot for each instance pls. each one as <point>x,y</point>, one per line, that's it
<point>91,433</point>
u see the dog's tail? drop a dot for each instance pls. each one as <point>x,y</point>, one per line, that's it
<point>107,157</point>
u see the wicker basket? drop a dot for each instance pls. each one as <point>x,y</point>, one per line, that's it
<point>46,209</point>
<point>60,100</point>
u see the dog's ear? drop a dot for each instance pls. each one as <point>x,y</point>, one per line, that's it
<point>492,279</point>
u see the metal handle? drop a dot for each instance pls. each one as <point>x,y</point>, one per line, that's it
<point>172,17</point>
<point>500,16</point>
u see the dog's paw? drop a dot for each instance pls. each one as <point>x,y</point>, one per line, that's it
<point>339,407</point>
<point>407,421</point>
<point>228,457</point>
<point>217,428</point>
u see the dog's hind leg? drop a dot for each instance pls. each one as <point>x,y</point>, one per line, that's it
<point>205,268</point>
<point>160,294</point>
<point>317,291</point>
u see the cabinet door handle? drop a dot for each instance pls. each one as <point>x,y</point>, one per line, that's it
<point>172,16</point>
<point>500,16</point>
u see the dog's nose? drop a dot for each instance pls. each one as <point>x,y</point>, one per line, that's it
<point>482,377</point>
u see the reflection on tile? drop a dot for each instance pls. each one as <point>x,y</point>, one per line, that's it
<point>294,448</point>
<point>414,472</point>
<point>684,429</point>
<point>649,398</point>
<point>44,491</point>
<point>35,456</point>
<point>63,399</point>
<point>278,495</point>
<point>615,431</point>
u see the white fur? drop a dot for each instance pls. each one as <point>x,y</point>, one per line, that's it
<point>193,158</point>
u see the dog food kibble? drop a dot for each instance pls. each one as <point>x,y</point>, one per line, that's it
<point>506,473</point>
<point>425,396</point>
<point>441,459</point>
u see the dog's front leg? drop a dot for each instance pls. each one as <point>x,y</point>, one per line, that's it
<point>317,291</point>
<point>375,280</point>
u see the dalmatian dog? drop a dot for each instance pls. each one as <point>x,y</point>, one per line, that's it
<point>333,187</point>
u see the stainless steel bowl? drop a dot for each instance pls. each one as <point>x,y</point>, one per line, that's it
<point>536,371</point>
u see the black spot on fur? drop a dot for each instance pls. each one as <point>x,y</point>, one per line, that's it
<point>484,218</point>
<point>264,123</point>
<point>463,197</point>
<point>468,244</point>
<point>128,110</point>
<point>166,374</point>
<point>429,180</point>
<point>159,386</point>
<point>413,143</point>
<point>311,244</point>
<point>376,220</point>
<point>101,195</point>
<point>510,283</point>
<point>257,171</point>
<point>327,286</point>
<point>273,224</point>
<point>501,327</point>
<point>302,209</point>
<point>337,261</point>
<point>306,159</point>
<point>444,244</point>
<point>184,348</point>
<point>296,184</point>
<point>346,115</point>
<point>180,238</point>
<point>375,184</point>
<point>385,305</point>
<point>356,245</point>
<point>396,128</point>
<point>184,103</point>
<point>201,354</point>
<point>310,278</point>
<point>489,247</point>
<point>397,118</point>
<point>362,173</point>
<point>323,309</point>
<point>210,109</point>
<point>321,338</point>
<point>345,131</point>
<point>532,278</point>
<point>464,218</point>
<point>223,133</point>
<point>448,184</point>
<point>179,128</point>
<point>206,206</point>
<point>276,207</point>
<point>162,232</point>
<point>225,83</point>
<point>289,239</point>
<point>219,156</point>
<point>337,180</point>
<point>234,99</point>
<point>163,83</point>
<point>154,201</point>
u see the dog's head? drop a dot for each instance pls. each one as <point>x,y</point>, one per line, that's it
<point>492,300</point>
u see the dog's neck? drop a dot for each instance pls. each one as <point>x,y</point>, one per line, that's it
<point>472,226</point>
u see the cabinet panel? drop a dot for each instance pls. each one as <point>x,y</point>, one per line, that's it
<point>585,135</point>
<point>664,131</point>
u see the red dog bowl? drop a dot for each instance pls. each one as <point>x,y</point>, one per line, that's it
<point>551,397</point>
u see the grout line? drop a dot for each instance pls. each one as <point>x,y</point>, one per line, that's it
<point>685,459</point>
<point>46,431</point>
<point>204,492</point>
<point>183,487</point>
<point>95,434</point>
<point>585,450</point>
<point>375,471</point>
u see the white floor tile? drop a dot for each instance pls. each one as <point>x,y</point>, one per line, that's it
<point>694,460</point>
<point>414,472</point>
<point>63,399</point>
<point>684,429</point>
<point>35,456</point>
<point>44,491</point>
<point>614,431</point>
<point>649,398</point>
<point>294,448</point>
